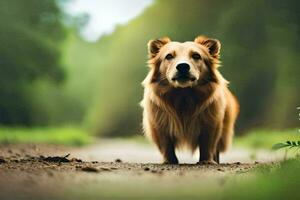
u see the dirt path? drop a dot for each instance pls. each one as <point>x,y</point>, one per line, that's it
<point>111,168</point>
<point>143,152</point>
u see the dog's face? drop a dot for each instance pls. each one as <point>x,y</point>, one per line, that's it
<point>183,64</point>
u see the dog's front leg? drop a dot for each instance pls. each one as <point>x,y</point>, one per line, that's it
<point>166,145</point>
<point>169,154</point>
<point>208,144</point>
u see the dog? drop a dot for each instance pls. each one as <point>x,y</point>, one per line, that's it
<point>186,100</point>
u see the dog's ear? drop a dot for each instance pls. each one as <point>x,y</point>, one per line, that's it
<point>155,45</point>
<point>213,45</point>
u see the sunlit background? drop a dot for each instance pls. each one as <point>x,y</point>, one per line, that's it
<point>104,16</point>
<point>79,63</point>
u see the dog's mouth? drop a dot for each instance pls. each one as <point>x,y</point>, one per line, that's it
<point>184,78</point>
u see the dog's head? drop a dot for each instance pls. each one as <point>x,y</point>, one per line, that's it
<point>185,64</point>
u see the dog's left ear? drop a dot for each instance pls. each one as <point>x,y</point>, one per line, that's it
<point>155,45</point>
<point>213,45</point>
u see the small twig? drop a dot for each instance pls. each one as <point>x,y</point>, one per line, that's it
<point>67,155</point>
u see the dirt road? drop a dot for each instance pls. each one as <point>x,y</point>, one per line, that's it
<point>112,169</point>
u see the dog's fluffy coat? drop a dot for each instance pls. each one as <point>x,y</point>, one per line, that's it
<point>200,114</point>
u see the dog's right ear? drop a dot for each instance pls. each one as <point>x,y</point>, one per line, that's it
<point>155,45</point>
<point>213,45</point>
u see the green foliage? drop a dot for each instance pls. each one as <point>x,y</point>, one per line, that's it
<point>279,183</point>
<point>57,135</point>
<point>31,33</point>
<point>266,138</point>
<point>287,144</point>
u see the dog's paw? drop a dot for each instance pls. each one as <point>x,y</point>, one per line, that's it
<point>207,162</point>
<point>171,162</point>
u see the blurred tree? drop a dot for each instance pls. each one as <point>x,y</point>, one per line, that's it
<point>31,33</point>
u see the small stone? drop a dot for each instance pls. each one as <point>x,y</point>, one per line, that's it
<point>89,169</point>
<point>2,161</point>
<point>57,159</point>
<point>105,169</point>
<point>146,168</point>
<point>75,160</point>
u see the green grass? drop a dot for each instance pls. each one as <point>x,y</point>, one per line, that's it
<point>270,182</point>
<point>77,136</point>
<point>266,138</point>
<point>71,136</point>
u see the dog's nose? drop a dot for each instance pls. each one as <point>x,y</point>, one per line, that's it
<point>183,68</point>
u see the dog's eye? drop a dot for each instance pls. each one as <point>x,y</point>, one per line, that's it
<point>196,56</point>
<point>169,57</point>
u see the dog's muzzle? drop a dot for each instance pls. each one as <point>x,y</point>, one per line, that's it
<point>183,73</point>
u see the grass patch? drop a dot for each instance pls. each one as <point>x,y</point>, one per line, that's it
<point>280,182</point>
<point>266,138</point>
<point>71,136</point>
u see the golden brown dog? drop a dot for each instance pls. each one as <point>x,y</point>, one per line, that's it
<point>186,100</point>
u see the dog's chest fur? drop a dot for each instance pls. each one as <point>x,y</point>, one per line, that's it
<point>181,115</point>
